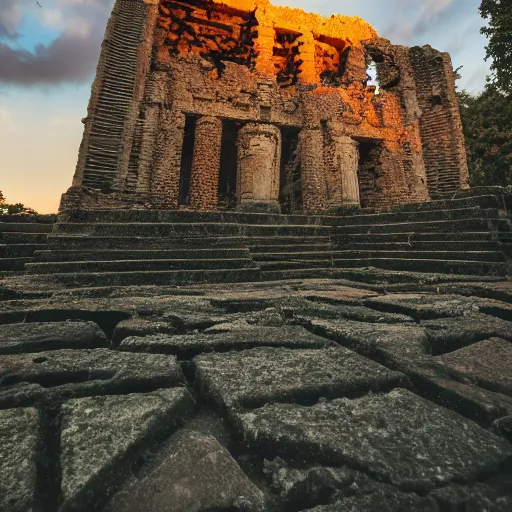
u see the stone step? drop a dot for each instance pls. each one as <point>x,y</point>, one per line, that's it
<point>157,278</point>
<point>14,263</point>
<point>410,237</point>
<point>28,219</point>
<point>481,201</point>
<point>304,273</point>
<point>187,217</point>
<point>293,265</point>
<point>25,227</point>
<point>61,267</point>
<point>420,216</point>
<point>142,254</point>
<point>430,266</point>
<point>70,242</point>
<point>19,250</point>
<point>436,226</point>
<point>67,242</point>
<point>290,249</point>
<point>23,238</point>
<point>352,254</point>
<point>450,245</point>
<point>189,229</point>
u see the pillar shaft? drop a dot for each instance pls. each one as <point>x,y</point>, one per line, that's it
<point>259,159</point>
<point>314,188</point>
<point>341,162</point>
<point>165,131</point>
<point>204,176</point>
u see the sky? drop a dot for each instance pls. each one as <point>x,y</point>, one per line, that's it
<point>49,53</point>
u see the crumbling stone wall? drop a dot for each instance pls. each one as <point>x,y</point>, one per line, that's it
<point>441,128</point>
<point>251,63</point>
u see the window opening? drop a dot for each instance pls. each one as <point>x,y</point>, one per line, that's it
<point>187,154</point>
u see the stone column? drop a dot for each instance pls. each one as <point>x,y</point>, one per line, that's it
<point>341,165</point>
<point>259,162</point>
<point>314,189</point>
<point>161,151</point>
<point>204,176</point>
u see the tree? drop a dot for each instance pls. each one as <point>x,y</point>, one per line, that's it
<point>487,123</point>
<point>10,209</point>
<point>498,13</point>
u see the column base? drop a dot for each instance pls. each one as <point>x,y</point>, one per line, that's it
<point>259,207</point>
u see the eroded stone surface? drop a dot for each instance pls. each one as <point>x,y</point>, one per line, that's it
<point>339,486</point>
<point>101,436</point>
<point>478,497</point>
<point>247,337</point>
<point>394,342</point>
<point>142,327</point>
<point>479,404</point>
<point>425,306</point>
<point>19,439</point>
<point>379,500</point>
<point>261,375</point>
<point>60,374</point>
<point>39,336</point>
<point>196,474</point>
<point>503,427</point>
<point>398,437</point>
<point>449,334</point>
<point>487,363</point>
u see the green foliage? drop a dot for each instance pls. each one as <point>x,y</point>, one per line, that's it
<point>11,209</point>
<point>487,122</point>
<point>498,14</point>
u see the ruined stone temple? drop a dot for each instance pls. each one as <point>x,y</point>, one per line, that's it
<point>239,104</point>
<point>239,141</point>
<point>269,288</point>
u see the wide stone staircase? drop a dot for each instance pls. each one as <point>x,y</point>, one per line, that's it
<point>468,235</point>
<point>104,248</point>
<point>20,237</point>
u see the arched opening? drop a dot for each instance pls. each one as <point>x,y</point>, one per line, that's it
<point>372,76</point>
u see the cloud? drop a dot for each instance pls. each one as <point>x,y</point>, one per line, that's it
<point>414,21</point>
<point>10,17</point>
<point>70,58</point>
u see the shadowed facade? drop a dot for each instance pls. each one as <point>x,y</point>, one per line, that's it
<point>208,106</point>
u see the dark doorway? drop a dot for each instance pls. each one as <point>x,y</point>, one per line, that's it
<point>290,178</point>
<point>369,171</point>
<point>228,166</point>
<point>186,160</point>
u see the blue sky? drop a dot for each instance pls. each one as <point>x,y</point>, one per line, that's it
<point>48,56</point>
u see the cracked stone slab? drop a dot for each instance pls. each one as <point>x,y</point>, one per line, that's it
<point>449,334</point>
<point>196,474</point>
<point>142,327</point>
<point>481,405</point>
<point>339,486</point>
<point>254,377</point>
<point>398,438</point>
<point>102,435</point>
<point>381,500</point>
<point>487,364</point>
<point>40,336</point>
<point>351,312</point>
<point>383,341</point>
<point>19,440</point>
<point>503,427</point>
<point>423,306</point>
<point>477,497</point>
<point>61,374</point>
<point>186,345</point>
